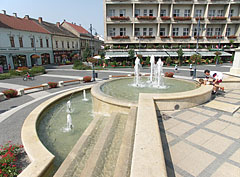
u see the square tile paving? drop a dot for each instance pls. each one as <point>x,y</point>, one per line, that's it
<point>204,111</point>
<point>200,137</point>
<point>231,119</point>
<point>217,125</point>
<point>236,156</point>
<point>227,170</point>
<point>232,131</point>
<point>227,107</point>
<point>180,129</point>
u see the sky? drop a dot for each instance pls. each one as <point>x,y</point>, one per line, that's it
<point>84,12</point>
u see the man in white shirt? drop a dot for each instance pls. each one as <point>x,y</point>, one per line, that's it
<point>217,79</point>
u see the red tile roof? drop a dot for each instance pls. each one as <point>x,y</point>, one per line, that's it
<point>20,24</point>
<point>78,28</point>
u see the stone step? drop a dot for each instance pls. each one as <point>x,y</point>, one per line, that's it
<point>98,151</point>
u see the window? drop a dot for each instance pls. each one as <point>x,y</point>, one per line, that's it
<point>47,43</point>
<point>20,42</point>
<point>211,13</point>
<point>56,42</point>
<point>122,13</point>
<point>175,31</point>
<point>220,13</point>
<point>195,32</point>
<point>32,42</point>
<point>198,13</point>
<point>144,31</point>
<point>68,46</point>
<point>163,12</point>
<point>228,32</point>
<point>176,12</point>
<point>231,13</point>
<point>62,44</point>
<point>217,31</point>
<point>137,12</point>
<point>122,31</point>
<point>137,31</point>
<point>73,45</point>
<point>77,45</point>
<point>209,31</point>
<point>111,12</point>
<point>145,12</point>
<point>187,13</point>
<point>185,31</point>
<point>41,43</point>
<point>111,31</point>
<point>150,31</point>
<point>162,32</point>
<point>11,38</point>
<point>151,12</point>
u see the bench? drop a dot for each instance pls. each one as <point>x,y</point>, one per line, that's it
<point>43,86</point>
<point>61,83</point>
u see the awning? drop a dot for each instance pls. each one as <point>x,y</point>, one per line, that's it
<point>188,54</point>
<point>116,54</point>
<point>172,54</point>
<point>212,54</point>
<point>155,54</point>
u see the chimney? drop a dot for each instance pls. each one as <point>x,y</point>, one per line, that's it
<point>4,12</point>
<point>15,14</point>
<point>40,20</point>
<point>58,24</point>
<point>26,17</point>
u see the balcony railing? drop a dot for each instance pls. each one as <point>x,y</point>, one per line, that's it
<point>165,17</point>
<point>164,37</point>
<point>235,18</point>
<point>232,37</point>
<point>122,18</point>
<point>146,37</point>
<point>146,18</point>
<point>214,37</point>
<point>182,18</point>
<point>120,37</point>
<point>199,37</point>
<point>181,37</point>
<point>201,18</point>
<point>217,18</point>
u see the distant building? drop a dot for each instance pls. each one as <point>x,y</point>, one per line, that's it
<point>23,43</point>
<point>66,45</point>
<point>85,37</point>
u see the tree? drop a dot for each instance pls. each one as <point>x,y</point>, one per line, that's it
<point>102,54</point>
<point>86,54</point>
<point>196,58</point>
<point>168,61</point>
<point>131,55</point>
<point>217,57</point>
<point>180,55</point>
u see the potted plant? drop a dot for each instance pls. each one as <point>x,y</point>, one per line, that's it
<point>87,79</point>
<point>52,84</point>
<point>168,61</point>
<point>148,61</point>
<point>10,93</point>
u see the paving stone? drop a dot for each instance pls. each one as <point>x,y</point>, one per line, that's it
<point>236,156</point>
<point>178,175</point>
<point>179,152</point>
<point>217,144</point>
<point>205,111</point>
<point>187,114</point>
<point>197,119</point>
<point>230,100</point>
<point>217,125</point>
<point>231,108</point>
<point>180,129</point>
<point>170,123</point>
<point>232,131</point>
<point>236,91</point>
<point>227,170</point>
<point>169,138</point>
<point>196,161</point>
<point>231,119</point>
<point>200,137</point>
<point>233,95</point>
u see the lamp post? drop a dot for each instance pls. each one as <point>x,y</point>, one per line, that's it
<point>92,54</point>
<point>195,64</point>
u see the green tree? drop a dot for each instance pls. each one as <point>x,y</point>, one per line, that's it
<point>217,57</point>
<point>196,58</point>
<point>86,54</point>
<point>168,60</point>
<point>180,55</point>
<point>131,54</point>
<point>102,54</point>
<point>148,60</point>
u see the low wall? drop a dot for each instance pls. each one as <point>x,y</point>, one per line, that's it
<point>41,159</point>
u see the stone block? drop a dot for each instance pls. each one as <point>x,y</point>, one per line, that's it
<point>20,92</point>
<point>2,97</point>
<point>45,86</point>
<point>60,84</point>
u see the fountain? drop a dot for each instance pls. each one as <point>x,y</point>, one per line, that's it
<point>84,96</point>
<point>69,123</point>
<point>152,61</point>
<point>69,107</point>
<point>136,72</point>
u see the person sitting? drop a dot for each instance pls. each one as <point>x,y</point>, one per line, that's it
<point>217,79</point>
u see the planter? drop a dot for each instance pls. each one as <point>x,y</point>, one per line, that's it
<point>164,37</point>
<point>52,84</point>
<point>181,37</point>
<point>119,18</point>
<point>165,18</point>
<point>146,18</point>
<point>199,37</point>
<point>217,18</point>
<point>214,37</point>
<point>235,18</point>
<point>232,37</point>
<point>146,37</point>
<point>182,18</point>
<point>120,37</point>
<point>199,18</point>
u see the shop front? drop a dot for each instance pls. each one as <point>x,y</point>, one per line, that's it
<point>19,61</point>
<point>45,58</point>
<point>61,57</point>
<point>3,63</point>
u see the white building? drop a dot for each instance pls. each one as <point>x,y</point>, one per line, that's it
<point>23,43</point>
<point>167,23</point>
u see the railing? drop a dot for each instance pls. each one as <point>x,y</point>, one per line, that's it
<point>120,37</point>
<point>165,17</point>
<point>214,37</point>
<point>182,18</point>
<point>217,18</point>
<point>146,18</point>
<point>123,18</point>
<point>181,37</point>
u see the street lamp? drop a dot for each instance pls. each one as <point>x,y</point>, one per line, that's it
<point>92,54</point>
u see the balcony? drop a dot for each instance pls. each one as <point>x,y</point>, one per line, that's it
<point>235,18</point>
<point>199,18</point>
<point>181,37</point>
<point>146,18</point>
<point>214,37</point>
<point>164,37</point>
<point>120,37</point>
<point>146,37</point>
<point>164,18</point>
<point>122,18</point>
<point>182,18</point>
<point>183,0</point>
<point>199,37</point>
<point>232,37</point>
<point>120,0</point>
<point>217,18</point>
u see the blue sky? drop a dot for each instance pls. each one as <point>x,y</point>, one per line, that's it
<point>84,12</point>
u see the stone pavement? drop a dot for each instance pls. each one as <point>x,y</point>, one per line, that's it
<point>202,141</point>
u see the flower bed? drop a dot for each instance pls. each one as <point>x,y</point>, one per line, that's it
<point>217,18</point>
<point>146,18</point>
<point>181,37</point>
<point>182,18</point>
<point>119,18</point>
<point>52,84</point>
<point>168,74</point>
<point>8,160</point>
<point>165,18</point>
<point>87,78</point>
<point>120,37</point>
<point>10,93</point>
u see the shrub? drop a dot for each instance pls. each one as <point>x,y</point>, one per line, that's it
<point>87,78</point>
<point>5,76</point>
<point>37,69</point>
<point>52,84</point>
<point>8,158</point>
<point>10,93</point>
<point>24,68</point>
<point>168,74</point>
<point>14,73</point>
<point>80,66</point>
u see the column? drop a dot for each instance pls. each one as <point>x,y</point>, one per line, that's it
<point>193,9</point>
<point>227,11</point>
<point>224,31</point>
<point>171,11</point>
<point>238,30</point>
<point>235,69</point>
<point>206,11</point>
<point>133,17</point>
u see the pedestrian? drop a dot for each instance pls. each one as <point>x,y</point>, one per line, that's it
<point>176,68</point>
<point>190,66</point>
<point>217,79</point>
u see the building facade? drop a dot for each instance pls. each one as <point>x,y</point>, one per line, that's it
<point>171,22</point>
<point>23,43</point>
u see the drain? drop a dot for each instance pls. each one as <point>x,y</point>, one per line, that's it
<point>176,107</point>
